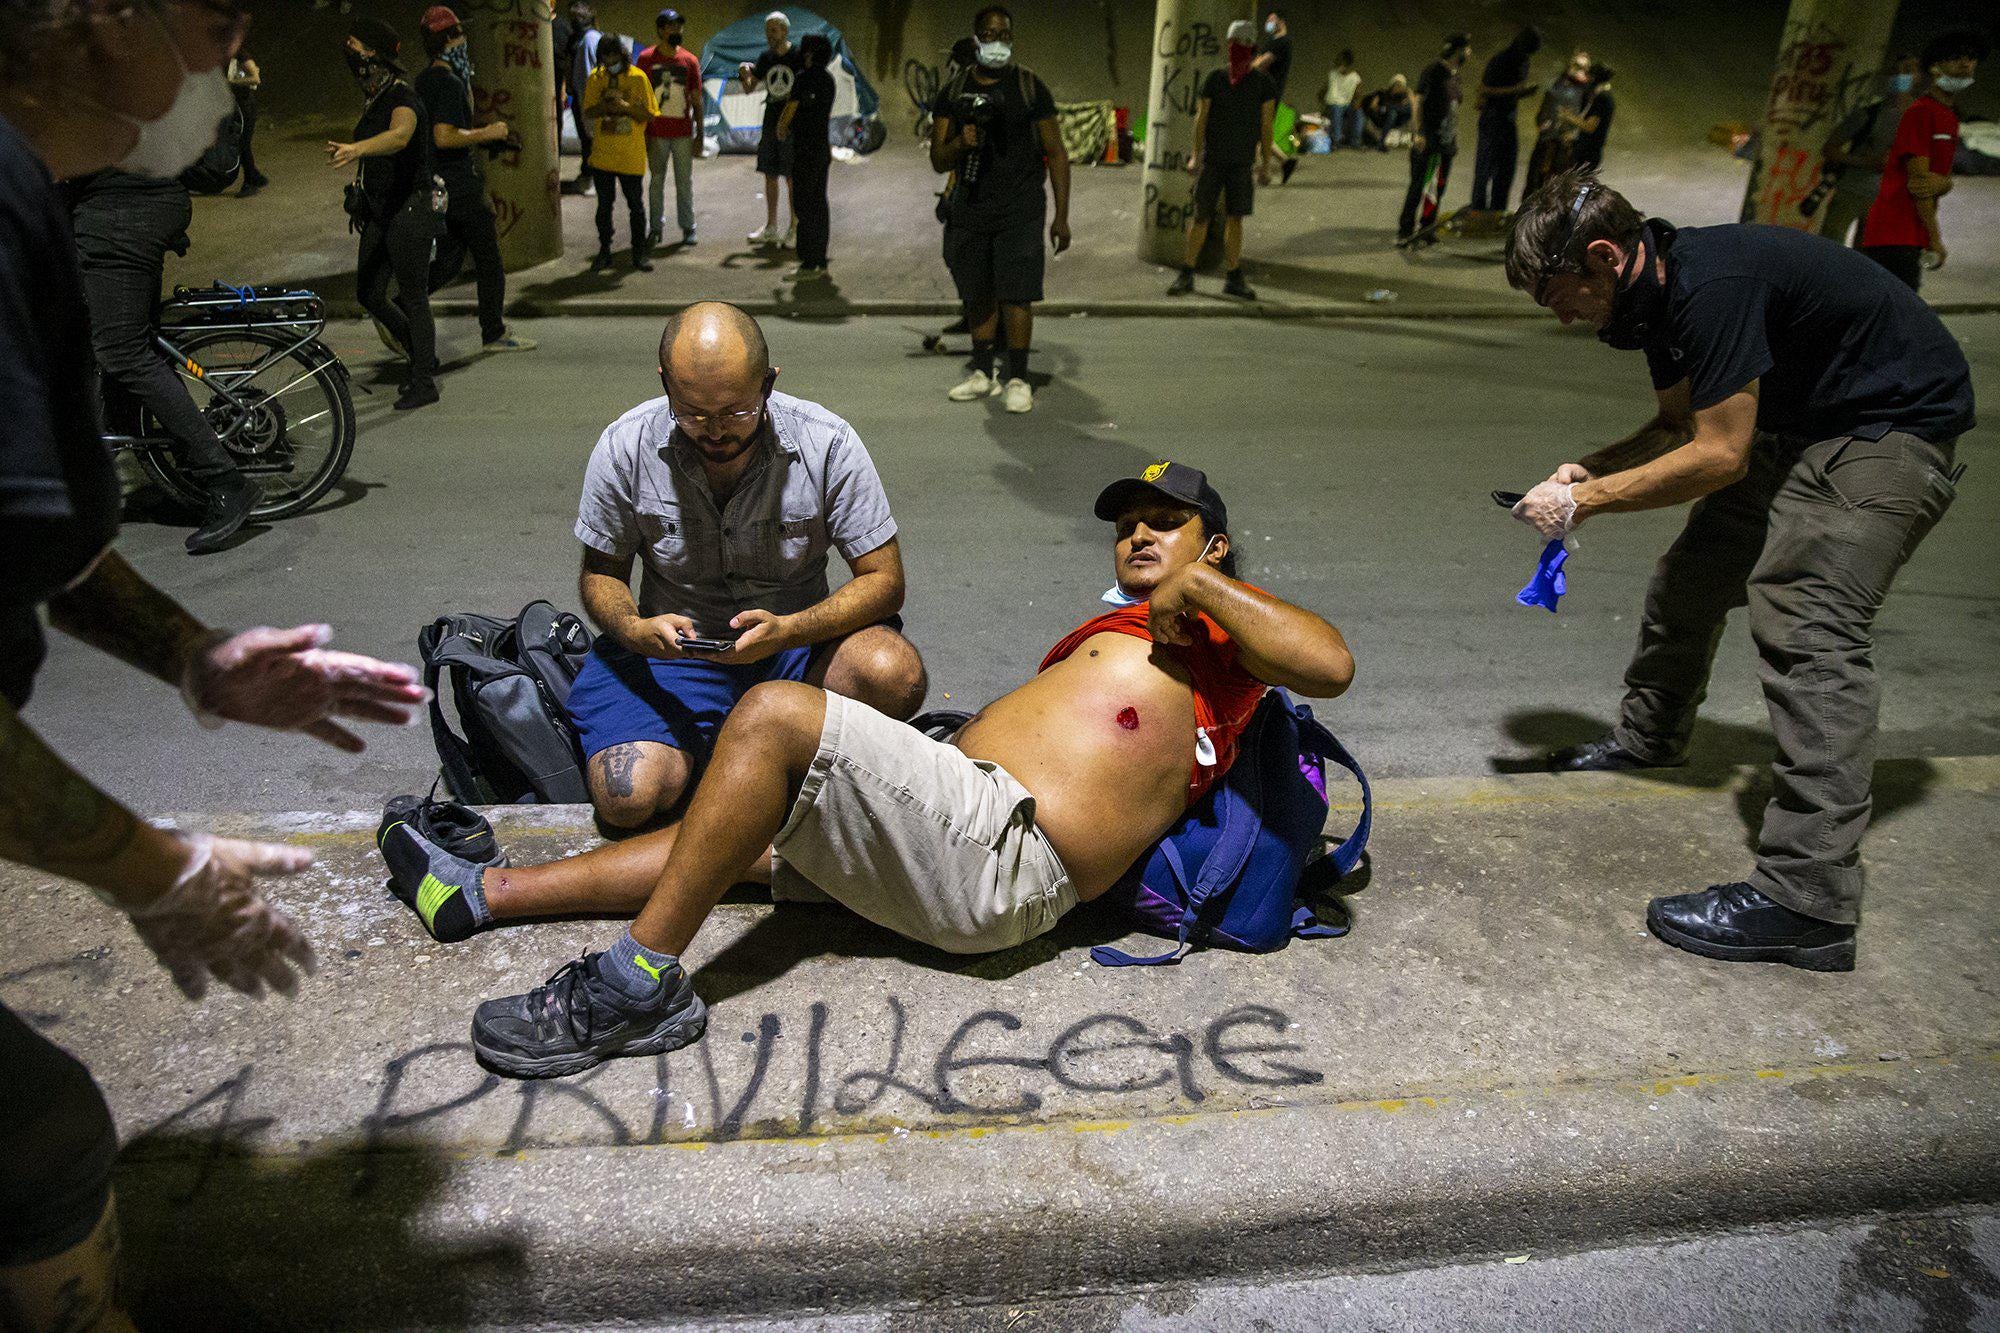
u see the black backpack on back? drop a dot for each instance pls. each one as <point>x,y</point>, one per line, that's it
<point>509,681</point>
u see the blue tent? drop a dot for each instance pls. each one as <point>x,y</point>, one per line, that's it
<point>735,119</point>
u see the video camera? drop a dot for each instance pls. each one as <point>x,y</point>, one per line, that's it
<point>975,108</point>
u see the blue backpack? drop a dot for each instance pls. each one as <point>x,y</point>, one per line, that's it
<point>1234,872</point>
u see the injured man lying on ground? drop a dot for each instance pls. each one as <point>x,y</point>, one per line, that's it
<point>1040,802</point>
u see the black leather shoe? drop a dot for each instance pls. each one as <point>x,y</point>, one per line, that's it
<point>414,397</point>
<point>227,510</point>
<point>1603,755</point>
<point>1736,923</point>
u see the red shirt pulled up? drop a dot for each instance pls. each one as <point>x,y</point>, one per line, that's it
<point>1928,129</point>
<point>1225,695</point>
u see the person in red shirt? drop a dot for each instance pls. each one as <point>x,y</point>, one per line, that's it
<point>1902,233</point>
<point>1041,801</point>
<point>673,138</point>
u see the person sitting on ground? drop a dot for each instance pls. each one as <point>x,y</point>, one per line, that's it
<point>730,495</point>
<point>1044,800</point>
<point>1386,110</point>
<point>1232,155</point>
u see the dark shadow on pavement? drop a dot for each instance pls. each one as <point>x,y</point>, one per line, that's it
<point>1715,754</point>
<point>217,1236</point>
<point>795,932</point>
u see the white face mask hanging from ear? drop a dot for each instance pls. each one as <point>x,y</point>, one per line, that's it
<point>170,145</point>
<point>1117,596</point>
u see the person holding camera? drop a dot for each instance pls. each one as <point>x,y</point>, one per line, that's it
<point>445,88</point>
<point>994,126</point>
<point>619,102</point>
<point>390,203</point>
<point>730,497</point>
<point>1232,155</point>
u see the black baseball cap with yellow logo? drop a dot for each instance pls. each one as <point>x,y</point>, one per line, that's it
<point>1177,482</point>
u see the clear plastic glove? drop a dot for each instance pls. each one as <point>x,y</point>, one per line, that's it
<point>1549,509</point>
<point>214,923</point>
<point>289,680</point>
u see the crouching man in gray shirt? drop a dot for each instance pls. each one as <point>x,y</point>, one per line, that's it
<point>730,495</point>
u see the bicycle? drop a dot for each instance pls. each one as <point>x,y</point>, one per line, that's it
<point>277,396</point>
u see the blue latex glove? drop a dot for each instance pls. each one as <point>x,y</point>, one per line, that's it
<point>1548,583</point>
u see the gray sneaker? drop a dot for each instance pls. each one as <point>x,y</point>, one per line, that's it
<point>578,1018</point>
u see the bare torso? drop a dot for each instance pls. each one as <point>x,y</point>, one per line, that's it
<point>1104,740</point>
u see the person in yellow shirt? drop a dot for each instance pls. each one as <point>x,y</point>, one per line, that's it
<point>620,102</point>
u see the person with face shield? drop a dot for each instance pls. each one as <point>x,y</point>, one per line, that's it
<point>674,137</point>
<point>445,89</point>
<point>1808,404</point>
<point>390,203</point>
<point>1902,232</point>
<point>140,88</point>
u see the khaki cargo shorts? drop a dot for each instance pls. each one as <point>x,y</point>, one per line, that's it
<point>918,837</point>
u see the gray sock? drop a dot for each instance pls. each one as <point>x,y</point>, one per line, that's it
<point>637,970</point>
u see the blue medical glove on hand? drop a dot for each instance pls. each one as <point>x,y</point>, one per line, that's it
<point>1548,583</point>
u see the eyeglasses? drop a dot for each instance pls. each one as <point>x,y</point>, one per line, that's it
<point>740,418</point>
<point>1562,263</point>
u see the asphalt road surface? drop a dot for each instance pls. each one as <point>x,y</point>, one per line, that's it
<point>1356,458</point>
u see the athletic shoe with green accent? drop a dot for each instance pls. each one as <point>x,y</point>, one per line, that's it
<point>579,1018</point>
<point>444,891</point>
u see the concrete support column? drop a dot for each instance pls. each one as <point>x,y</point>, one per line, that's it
<point>514,79</point>
<point>1828,61</point>
<point>1187,44</point>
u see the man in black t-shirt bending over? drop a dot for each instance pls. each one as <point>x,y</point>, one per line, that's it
<point>994,128</point>
<point>1809,402</point>
<point>1232,155</point>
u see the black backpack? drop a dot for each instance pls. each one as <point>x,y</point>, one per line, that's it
<point>509,681</point>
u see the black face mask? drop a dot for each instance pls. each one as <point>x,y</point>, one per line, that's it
<point>358,65</point>
<point>674,40</point>
<point>1638,308</point>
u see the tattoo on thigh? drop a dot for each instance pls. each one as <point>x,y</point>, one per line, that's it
<point>615,767</point>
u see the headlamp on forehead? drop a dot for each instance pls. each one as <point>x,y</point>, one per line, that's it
<point>1562,261</point>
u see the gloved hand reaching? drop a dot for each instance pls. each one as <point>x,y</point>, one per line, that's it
<point>1549,509</point>
<point>214,923</point>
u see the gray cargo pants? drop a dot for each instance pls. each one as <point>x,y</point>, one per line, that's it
<point>1810,541</point>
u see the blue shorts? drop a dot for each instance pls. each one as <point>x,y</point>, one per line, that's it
<point>620,697</point>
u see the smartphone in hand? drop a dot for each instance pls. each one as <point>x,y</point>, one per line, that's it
<point>701,645</point>
<point>1508,499</point>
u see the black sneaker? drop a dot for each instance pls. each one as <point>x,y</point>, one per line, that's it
<point>640,263</point>
<point>1233,285</point>
<point>602,262</point>
<point>578,1018</point>
<point>415,397</point>
<point>1603,755</point>
<point>228,508</point>
<point>1737,924</point>
<point>1182,284</point>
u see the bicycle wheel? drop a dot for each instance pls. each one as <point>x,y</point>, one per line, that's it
<point>293,434</point>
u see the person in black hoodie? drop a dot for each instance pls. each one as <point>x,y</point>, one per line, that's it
<point>804,125</point>
<point>391,203</point>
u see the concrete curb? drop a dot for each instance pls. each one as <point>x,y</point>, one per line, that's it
<point>1035,1210</point>
<point>347,308</point>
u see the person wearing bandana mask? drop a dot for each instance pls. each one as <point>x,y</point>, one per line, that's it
<point>1808,403</point>
<point>392,147</point>
<point>139,87</point>
<point>674,137</point>
<point>445,89</point>
<point>1902,232</point>
<point>1232,155</point>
